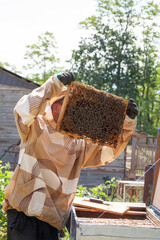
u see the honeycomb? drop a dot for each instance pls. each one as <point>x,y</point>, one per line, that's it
<point>92,114</point>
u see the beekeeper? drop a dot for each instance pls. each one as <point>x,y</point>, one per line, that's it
<point>40,194</point>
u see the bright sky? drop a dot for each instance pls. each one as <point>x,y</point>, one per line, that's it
<point>21,21</point>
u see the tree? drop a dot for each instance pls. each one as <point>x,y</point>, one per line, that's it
<point>121,54</point>
<point>9,67</point>
<point>41,58</point>
<point>101,62</point>
<point>108,59</point>
<point>149,85</point>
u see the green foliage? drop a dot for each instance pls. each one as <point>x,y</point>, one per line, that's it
<point>81,191</point>
<point>149,95</point>
<point>66,235</point>
<point>108,59</point>
<point>9,67</point>
<point>5,176</point>
<point>100,62</point>
<point>121,55</point>
<point>104,191</point>
<point>41,57</point>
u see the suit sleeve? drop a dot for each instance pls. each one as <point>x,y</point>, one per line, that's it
<point>96,155</point>
<point>33,104</point>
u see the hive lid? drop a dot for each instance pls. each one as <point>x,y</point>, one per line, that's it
<point>155,202</point>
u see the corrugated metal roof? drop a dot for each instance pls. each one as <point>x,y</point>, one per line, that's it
<point>13,79</point>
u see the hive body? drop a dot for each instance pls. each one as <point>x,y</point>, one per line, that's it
<point>92,114</point>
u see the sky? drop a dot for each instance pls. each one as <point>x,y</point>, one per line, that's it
<point>21,21</point>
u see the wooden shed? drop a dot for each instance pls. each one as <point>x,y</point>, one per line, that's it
<point>12,88</point>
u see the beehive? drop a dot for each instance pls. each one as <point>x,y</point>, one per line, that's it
<point>93,225</point>
<point>92,114</point>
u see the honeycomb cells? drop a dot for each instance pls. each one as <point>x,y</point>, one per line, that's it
<point>94,115</point>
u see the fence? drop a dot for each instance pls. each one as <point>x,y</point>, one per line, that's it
<point>143,153</point>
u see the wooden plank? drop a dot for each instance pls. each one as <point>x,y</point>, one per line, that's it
<point>128,204</point>
<point>8,130</point>
<point>153,217</point>
<point>156,199</point>
<point>7,115</point>
<point>133,210</point>
<point>5,109</point>
<point>12,92</point>
<point>80,202</point>
<point>5,87</point>
<point>16,90</point>
<point>12,137</point>
<point>83,209</point>
<point>8,103</point>
<point>146,146</point>
<point>133,213</point>
<point>7,98</point>
<point>103,170</point>
<point>7,123</point>
<point>136,213</point>
<point>133,158</point>
<point>131,205</point>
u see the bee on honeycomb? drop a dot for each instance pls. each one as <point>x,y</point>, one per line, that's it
<point>93,115</point>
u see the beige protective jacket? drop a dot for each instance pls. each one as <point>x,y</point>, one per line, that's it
<point>44,182</point>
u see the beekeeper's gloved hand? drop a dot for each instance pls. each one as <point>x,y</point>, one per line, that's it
<point>66,77</point>
<point>132,109</point>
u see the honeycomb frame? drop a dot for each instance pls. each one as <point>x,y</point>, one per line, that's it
<point>92,114</point>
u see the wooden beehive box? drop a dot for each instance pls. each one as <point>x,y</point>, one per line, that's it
<point>92,114</point>
<point>135,223</point>
<point>156,179</point>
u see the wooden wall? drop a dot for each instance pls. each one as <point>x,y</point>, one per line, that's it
<point>9,96</point>
<point>94,176</point>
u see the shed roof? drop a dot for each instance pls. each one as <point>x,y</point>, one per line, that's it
<point>139,134</point>
<point>13,79</point>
